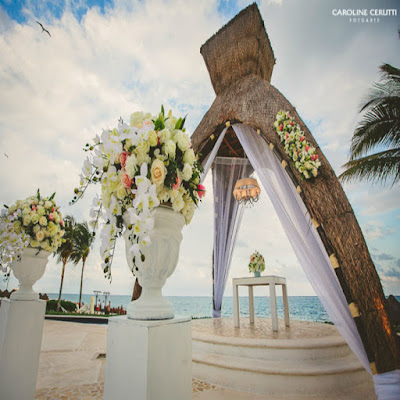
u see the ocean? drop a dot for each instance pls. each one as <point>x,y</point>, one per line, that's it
<point>305,308</point>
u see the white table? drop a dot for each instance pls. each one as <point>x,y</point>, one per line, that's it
<point>270,281</point>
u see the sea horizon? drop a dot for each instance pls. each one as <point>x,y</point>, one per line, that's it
<point>304,308</point>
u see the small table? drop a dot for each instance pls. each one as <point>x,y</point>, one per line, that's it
<point>270,280</point>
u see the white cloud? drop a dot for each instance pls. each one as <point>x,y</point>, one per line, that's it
<point>58,92</point>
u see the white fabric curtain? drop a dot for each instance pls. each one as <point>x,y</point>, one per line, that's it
<point>307,246</point>
<point>310,251</point>
<point>211,156</point>
<point>227,218</point>
<point>387,385</point>
<point>302,235</point>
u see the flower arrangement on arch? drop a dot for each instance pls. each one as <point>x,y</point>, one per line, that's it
<point>304,155</point>
<point>35,222</point>
<point>140,165</point>
<point>257,263</point>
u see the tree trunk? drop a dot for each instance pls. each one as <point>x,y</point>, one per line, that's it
<point>61,285</point>
<point>80,291</point>
<point>137,290</point>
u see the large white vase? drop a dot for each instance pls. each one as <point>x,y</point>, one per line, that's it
<point>161,257</point>
<point>29,269</point>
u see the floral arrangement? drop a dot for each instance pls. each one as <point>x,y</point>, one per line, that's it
<point>257,262</point>
<point>140,165</point>
<point>35,221</point>
<point>296,146</point>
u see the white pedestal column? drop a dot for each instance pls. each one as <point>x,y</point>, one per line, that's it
<point>21,329</point>
<point>149,360</point>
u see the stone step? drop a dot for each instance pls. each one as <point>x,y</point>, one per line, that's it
<point>328,347</point>
<point>339,376</point>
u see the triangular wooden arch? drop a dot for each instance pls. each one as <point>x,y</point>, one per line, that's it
<point>240,60</point>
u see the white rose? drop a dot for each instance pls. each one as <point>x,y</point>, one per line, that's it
<point>142,148</point>
<point>143,158</point>
<point>183,141</point>
<point>137,119</point>
<point>171,123</point>
<point>164,195</point>
<point>34,243</point>
<point>41,211</point>
<point>128,144</point>
<point>314,171</point>
<point>164,135</point>
<point>188,211</point>
<point>131,165</point>
<point>121,193</point>
<point>189,157</point>
<point>158,172</point>
<point>26,219</point>
<point>187,172</point>
<point>39,236</point>
<point>177,201</point>
<point>26,211</point>
<point>169,148</point>
<point>153,139</point>
<point>35,218</point>
<point>48,204</point>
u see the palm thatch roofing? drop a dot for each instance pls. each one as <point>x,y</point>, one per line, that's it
<point>240,60</point>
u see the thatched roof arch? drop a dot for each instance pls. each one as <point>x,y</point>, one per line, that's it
<point>244,94</point>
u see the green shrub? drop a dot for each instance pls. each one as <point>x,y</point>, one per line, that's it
<point>68,305</point>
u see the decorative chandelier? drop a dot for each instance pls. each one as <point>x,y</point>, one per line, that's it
<point>246,191</point>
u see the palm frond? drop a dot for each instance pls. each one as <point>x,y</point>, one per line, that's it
<point>379,126</point>
<point>389,72</point>
<point>82,241</point>
<point>376,167</point>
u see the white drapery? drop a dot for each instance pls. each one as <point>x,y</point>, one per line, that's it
<point>227,218</point>
<point>310,251</point>
<point>302,235</point>
<point>308,248</point>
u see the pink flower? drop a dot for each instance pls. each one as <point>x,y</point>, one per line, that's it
<point>122,158</point>
<point>201,190</point>
<point>54,209</point>
<point>34,208</point>
<point>62,223</point>
<point>126,181</point>
<point>51,217</point>
<point>287,135</point>
<point>302,138</point>
<point>307,148</point>
<point>314,157</point>
<point>281,127</point>
<point>177,183</point>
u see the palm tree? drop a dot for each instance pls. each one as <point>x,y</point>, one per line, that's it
<point>379,130</point>
<point>83,240</point>
<point>65,250</point>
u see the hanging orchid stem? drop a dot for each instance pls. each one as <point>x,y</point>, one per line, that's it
<point>140,164</point>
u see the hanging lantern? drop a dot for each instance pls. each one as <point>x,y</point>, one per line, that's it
<point>246,191</point>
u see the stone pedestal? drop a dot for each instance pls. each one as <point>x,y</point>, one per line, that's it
<point>21,328</point>
<point>148,360</point>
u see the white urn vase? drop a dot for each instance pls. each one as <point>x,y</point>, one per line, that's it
<point>161,257</point>
<point>29,269</point>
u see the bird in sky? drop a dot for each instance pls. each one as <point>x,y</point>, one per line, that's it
<point>6,155</point>
<point>43,28</point>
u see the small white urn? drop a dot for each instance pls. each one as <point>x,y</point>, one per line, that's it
<point>29,269</point>
<point>161,258</point>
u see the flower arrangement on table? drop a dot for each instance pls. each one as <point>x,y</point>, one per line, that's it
<point>302,153</point>
<point>35,222</point>
<point>257,263</point>
<point>139,166</point>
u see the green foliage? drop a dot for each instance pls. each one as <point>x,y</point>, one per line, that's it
<point>378,129</point>
<point>51,305</point>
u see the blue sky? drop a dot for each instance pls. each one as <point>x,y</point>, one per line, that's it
<point>107,59</point>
